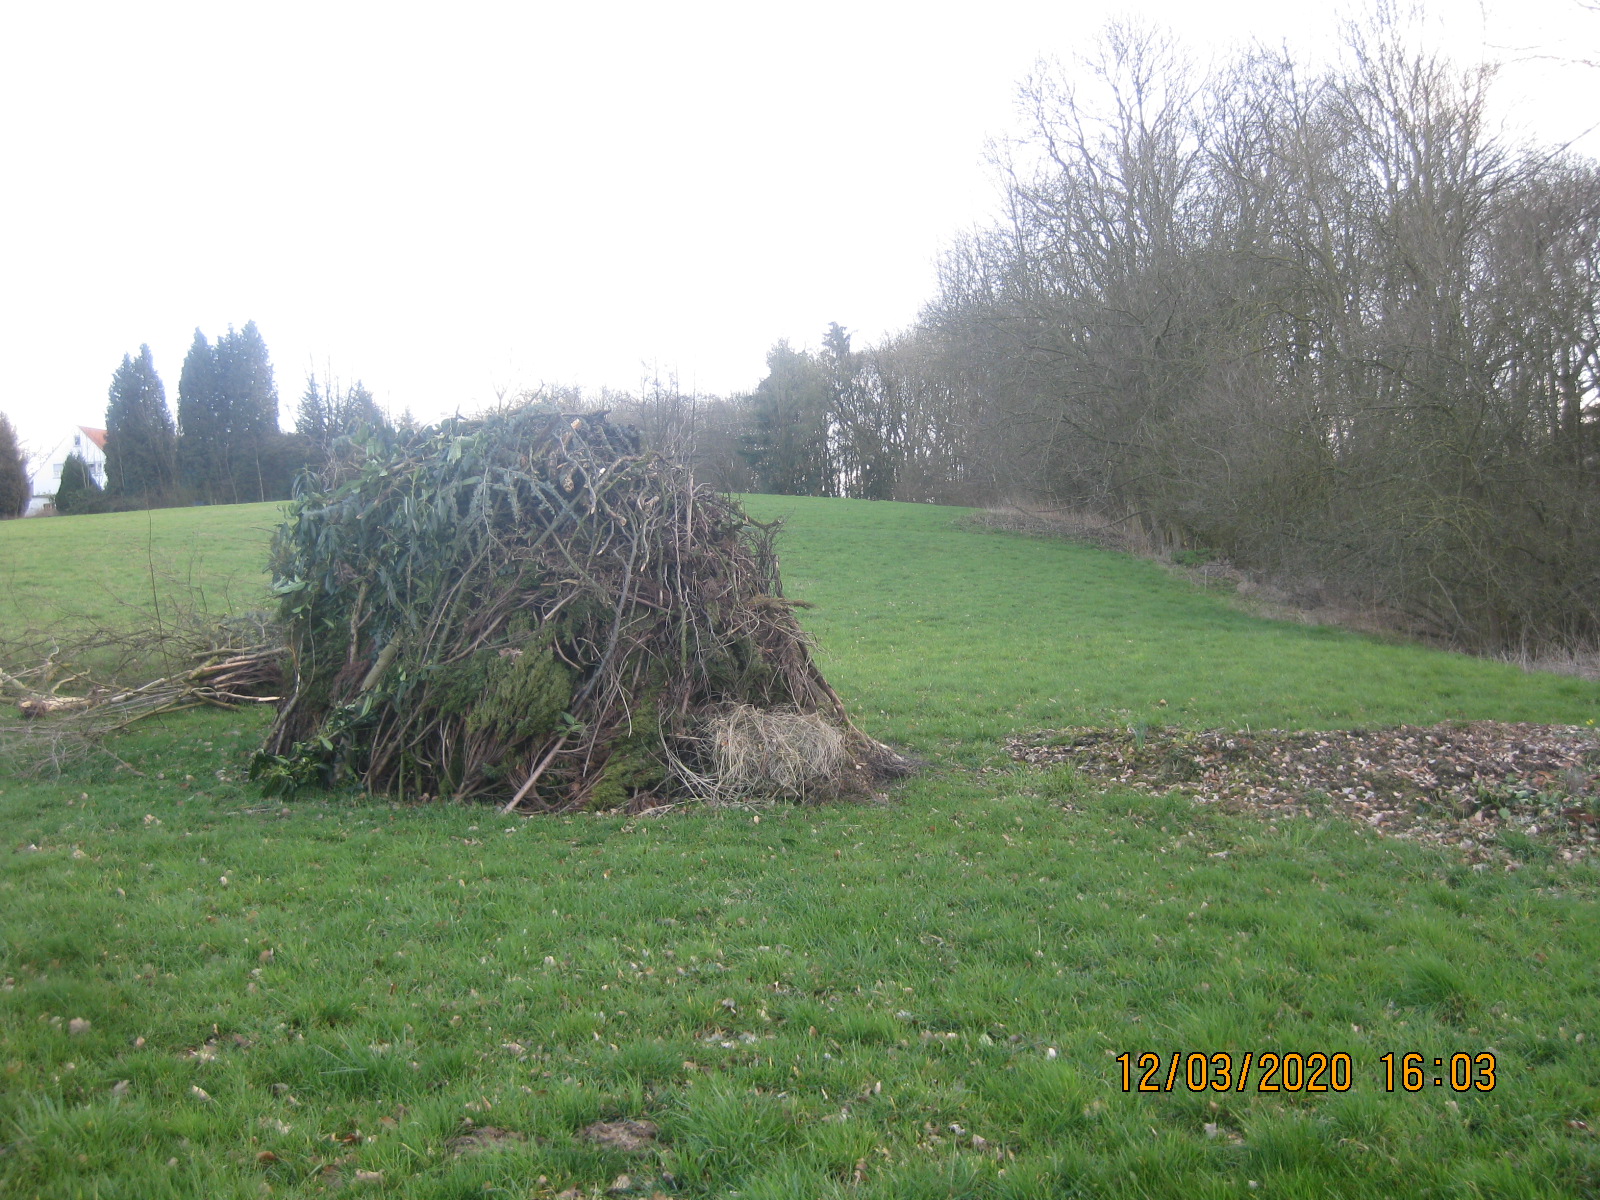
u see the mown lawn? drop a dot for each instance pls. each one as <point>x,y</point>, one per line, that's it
<point>922,996</point>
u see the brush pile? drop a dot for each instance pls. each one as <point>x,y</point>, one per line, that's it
<point>529,609</point>
<point>70,698</point>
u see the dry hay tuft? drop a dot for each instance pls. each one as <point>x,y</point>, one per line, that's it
<point>749,753</point>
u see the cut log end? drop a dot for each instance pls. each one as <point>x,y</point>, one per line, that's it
<point>43,706</point>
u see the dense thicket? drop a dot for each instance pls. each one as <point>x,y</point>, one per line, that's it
<point>1330,326</point>
<point>1327,323</point>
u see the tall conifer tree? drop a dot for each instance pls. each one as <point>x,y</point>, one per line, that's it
<point>314,418</point>
<point>327,412</point>
<point>360,410</point>
<point>203,427</point>
<point>230,448</point>
<point>244,376</point>
<point>14,485</point>
<point>141,444</point>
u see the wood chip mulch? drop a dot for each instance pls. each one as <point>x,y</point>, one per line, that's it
<point>1472,785</point>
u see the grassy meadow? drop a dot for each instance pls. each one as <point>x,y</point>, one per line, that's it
<point>207,994</point>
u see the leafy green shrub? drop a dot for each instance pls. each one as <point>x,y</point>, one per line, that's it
<point>77,492</point>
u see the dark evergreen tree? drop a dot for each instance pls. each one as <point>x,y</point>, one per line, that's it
<point>326,414</point>
<point>77,490</point>
<point>141,444</point>
<point>14,485</point>
<point>250,398</point>
<point>203,441</point>
<point>314,418</point>
<point>787,438</point>
<point>230,448</point>
<point>359,410</point>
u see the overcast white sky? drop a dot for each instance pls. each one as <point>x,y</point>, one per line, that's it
<point>446,201</point>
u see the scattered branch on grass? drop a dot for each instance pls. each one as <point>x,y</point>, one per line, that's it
<point>66,709</point>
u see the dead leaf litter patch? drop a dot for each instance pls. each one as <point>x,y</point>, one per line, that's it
<point>1473,785</point>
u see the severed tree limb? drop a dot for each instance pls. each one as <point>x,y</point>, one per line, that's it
<point>537,771</point>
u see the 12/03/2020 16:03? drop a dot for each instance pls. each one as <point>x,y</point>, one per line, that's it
<point>1291,1071</point>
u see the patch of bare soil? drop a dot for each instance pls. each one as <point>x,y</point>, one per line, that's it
<point>475,1139</point>
<point>1474,786</point>
<point>630,1137</point>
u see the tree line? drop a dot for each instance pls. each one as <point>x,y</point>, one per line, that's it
<point>1326,322</point>
<point>224,447</point>
<point>834,421</point>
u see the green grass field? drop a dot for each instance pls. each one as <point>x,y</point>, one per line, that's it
<point>920,997</point>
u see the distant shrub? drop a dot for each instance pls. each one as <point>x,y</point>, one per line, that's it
<point>77,492</point>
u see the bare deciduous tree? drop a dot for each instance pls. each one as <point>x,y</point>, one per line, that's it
<point>1328,323</point>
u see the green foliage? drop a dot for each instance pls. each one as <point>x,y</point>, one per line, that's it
<point>77,490</point>
<point>786,442</point>
<point>325,759</point>
<point>14,483</point>
<point>141,443</point>
<point>283,775</point>
<point>634,766</point>
<point>230,448</point>
<point>495,589</point>
<point>512,693</point>
<point>329,413</point>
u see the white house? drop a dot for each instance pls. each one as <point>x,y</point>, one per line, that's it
<point>83,440</point>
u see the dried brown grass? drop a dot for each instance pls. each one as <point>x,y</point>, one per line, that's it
<point>744,753</point>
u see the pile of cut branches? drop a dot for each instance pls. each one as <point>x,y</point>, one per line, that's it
<point>527,608</point>
<point>69,695</point>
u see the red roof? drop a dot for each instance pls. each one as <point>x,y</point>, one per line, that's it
<point>97,436</point>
